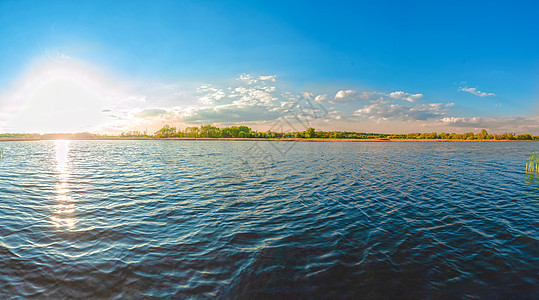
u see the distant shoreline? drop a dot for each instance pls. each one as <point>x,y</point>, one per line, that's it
<point>4,139</point>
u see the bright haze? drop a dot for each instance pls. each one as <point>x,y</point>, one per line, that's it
<point>375,66</point>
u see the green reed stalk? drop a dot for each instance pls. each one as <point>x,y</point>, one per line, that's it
<point>532,164</point>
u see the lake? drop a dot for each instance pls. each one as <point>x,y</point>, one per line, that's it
<point>268,219</point>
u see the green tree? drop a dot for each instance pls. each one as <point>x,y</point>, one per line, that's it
<point>468,136</point>
<point>191,132</point>
<point>310,133</point>
<point>248,133</point>
<point>509,136</point>
<point>482,135</point>
<point>524,137</point>
<point>209,131</point>
<point>166,131</point>
<point>336,135</point>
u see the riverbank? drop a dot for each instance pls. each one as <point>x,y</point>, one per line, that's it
<point>4,139</point>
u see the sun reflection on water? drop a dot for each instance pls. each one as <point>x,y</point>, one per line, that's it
<point>65,207</point>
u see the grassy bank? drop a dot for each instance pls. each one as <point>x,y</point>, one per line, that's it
<point>110,138</point>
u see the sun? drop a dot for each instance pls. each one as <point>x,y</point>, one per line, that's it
<point>62,97</point>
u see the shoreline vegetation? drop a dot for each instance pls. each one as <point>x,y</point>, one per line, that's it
<point>532,164</point>
<point>244,133</point>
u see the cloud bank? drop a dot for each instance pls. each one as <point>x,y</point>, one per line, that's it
<point>259,101</point>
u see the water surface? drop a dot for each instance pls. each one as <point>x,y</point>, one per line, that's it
<point>252,219</point>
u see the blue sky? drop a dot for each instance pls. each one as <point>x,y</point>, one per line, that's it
<point>140,64</point>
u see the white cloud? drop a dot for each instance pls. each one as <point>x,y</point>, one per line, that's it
<point>252,100</point>
<point>308,95</point>
<point>383,111</point>
<point>210,94</point>
<point>405,96</point>
<point>150,113</point>
<point>476,92</point>
<point>344,96</point>
<point>258,100</point>
<point>494,124</point>
<point>321,98</point>
<point>371,96</point>
<point>250,79</point>
<point>268,78</point>
<point>461,120</point>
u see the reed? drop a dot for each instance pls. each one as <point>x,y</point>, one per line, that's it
<point>532,164</point>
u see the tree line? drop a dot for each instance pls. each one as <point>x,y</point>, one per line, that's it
<point>209,131</point>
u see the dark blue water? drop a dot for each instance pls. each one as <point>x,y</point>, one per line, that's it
<point>180,219</point>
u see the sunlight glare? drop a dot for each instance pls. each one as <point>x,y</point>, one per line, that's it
<point>61,97</point>
<point>65,207</point>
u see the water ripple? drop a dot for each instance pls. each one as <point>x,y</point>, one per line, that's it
<point>182,219</point>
